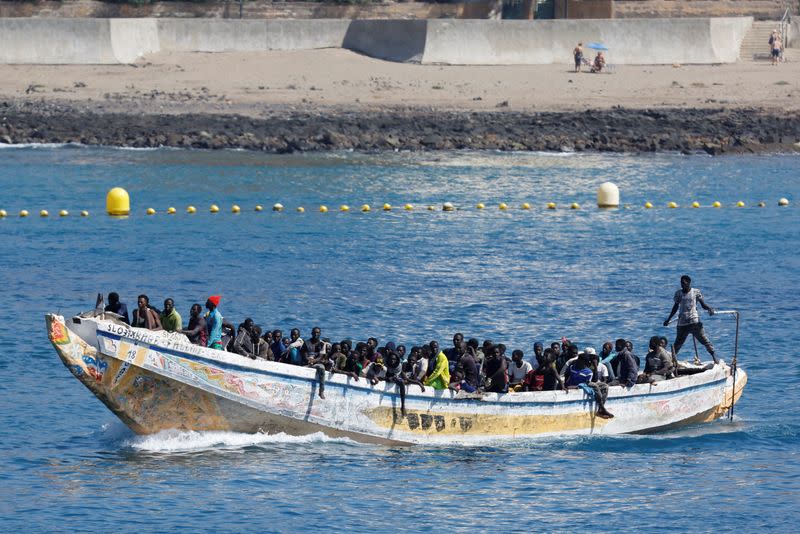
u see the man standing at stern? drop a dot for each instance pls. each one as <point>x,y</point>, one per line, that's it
<point>686,299</point>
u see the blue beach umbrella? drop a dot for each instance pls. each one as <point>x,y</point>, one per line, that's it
<point>597,46</point>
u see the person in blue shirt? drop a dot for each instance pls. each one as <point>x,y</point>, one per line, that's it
<point>115,306</point>
<point>214,323</point>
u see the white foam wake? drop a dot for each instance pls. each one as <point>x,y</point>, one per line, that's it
<point>190,441</point>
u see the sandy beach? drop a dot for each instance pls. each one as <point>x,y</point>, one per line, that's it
<point>244,82</point>
<point>292,98</point>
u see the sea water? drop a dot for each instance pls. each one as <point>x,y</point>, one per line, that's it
<point>512,276</point>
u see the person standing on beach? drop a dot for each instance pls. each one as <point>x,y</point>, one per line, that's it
<point>686,299</point>
<point>777,46</point>
<point>577,53</point>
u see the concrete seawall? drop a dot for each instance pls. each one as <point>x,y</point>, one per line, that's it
<point>457,42</point>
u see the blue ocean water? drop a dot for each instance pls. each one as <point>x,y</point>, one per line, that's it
<point>66,462</point>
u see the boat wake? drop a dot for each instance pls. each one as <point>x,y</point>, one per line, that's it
<point>172,441</point>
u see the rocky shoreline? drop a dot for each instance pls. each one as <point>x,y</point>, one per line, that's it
<point>286,130</point>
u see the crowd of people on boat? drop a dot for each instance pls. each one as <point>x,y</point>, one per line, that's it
<point>467,366</point>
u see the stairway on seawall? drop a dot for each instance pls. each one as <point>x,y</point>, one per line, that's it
<point>755,45</point>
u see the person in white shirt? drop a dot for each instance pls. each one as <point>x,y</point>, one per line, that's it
<point>517,371</point>
<point>685,300</point>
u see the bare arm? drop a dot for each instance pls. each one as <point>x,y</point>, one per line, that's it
<point>705,306</point>
<point>674,309</point>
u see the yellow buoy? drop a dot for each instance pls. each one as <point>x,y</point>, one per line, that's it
<point>191,209</point>
<point>301,209</point>
<point>448,206</point>
<point>503,206</point>
<point>783,202</point>
<point>762,204</point>
<point>408,207</point>
<point>695,204</point>
<point>3,214</point>
<point>672,205</point>
<point>431,208</point>
<point>648,205</point>
<point>235,209</point>
<point>716,204</point>
<point>575,206</point>
<point>84,213</point>
<point>23,213</point>
<point>171,210</point>
<point>740,204</point>
<point>525,206</point>
<point>551,205</point>
<point>387,207</point>
<point>608,195</point>
<point>259,207</point>
<point>344,207</point>
<point>118,202</point>
<point>214,208</point>
<point>277,207</point>
<point>323,209</point>
<point>63,213</point>
<point>44,213</point>
<point>365,208</point>
<point>479,206</point>
<point>150,211</point>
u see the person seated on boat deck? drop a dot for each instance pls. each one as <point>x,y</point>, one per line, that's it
<point>171,320</point>
<point>454,353</point>
<point>469,367</point>
<point>598,384</point>
<point>350,366</point>
<point>410,373</point>
<point>607,358</point>
<point>394,367</point>
<point>144,316</point>
<point>375,371</point>
<point>249,344</point>
<point>572,356</point>
<point>578,372</point>
<point>277,345</point>
<point>214,323</point>
<point>496,371</point>
<point>477,353</point>
<point>629,346</point>
<point>312,346</point>
<point>627,370</point>
<point>545,377</point>
<point>228,335</point>
<point>322,363</point>
<point>432,355</point>
<point>292,353</point>
<point>115,306</point>
<point>439,378</point>
<point>401,352</point>
<point>658,362</point>
<point>538,352</point>
<point>196,331</point>
<point>372,343</point>
<point>517,371</point>
<point>243,331</point>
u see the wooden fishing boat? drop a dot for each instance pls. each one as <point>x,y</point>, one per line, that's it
<point>155,381</point>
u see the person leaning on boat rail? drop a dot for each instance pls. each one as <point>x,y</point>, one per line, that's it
<point>685,303</point>
<point>144,316</point>
<point>171,320</point>
<point>115,306</point>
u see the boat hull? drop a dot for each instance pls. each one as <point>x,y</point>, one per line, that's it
<point>154,382</point>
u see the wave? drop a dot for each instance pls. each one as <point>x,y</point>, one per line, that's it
<point>175,441</point>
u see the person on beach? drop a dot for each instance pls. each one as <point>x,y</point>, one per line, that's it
<point>599,62</point>
<point>214,323</point>
<point>115,306</point>
<point>686,299</point>
<point>776,46</point>
<point>144,316</point>
<point>577,54</point>
<point>171,320</point>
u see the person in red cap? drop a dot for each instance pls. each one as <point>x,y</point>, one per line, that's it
<point>214,322</point>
